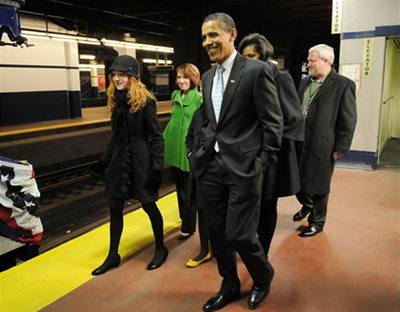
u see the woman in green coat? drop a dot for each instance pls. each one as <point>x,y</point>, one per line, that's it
<point>185,102</point>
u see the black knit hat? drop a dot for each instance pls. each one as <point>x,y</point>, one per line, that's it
<point>126,64</point>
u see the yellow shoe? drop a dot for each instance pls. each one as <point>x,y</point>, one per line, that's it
<point>192,263</point>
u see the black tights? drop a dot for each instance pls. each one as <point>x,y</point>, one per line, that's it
<point>117,222</point>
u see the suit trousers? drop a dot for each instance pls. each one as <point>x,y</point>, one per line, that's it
<point>232,215</point>
<point>317,204</point>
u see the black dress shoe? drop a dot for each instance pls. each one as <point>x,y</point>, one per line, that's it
<point>221,300</point>
<point>158,260</point>
<point>301,214</point>
<point>110,262</point>
<point>257,295</point>
<point>310,231</point>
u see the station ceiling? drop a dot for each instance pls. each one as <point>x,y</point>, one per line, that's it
<point>155,21</point>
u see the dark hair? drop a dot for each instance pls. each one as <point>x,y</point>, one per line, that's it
<point>227,22</point>
<point>190,71</point>
<point>261,45</point>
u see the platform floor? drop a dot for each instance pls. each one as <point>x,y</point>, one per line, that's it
<point>352,266</point>
<point>90,116</point>
<point>390,156</point>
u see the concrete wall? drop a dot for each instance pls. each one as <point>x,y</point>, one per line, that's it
<point>365,15</point>
<point>360,19</point>
<point>41,82</point>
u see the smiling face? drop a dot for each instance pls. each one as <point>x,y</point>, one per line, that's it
<point>182,81</point>
<point>218,42</point>
<point>250,52</point>
<point>120,80</point>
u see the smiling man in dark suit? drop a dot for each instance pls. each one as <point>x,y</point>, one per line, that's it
<point>240,139</point>
<point>329,108</point>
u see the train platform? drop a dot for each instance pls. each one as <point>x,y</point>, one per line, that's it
<point>91,117</point>
<point>352,266</point>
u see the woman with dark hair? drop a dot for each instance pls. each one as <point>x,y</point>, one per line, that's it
<point>281,179</point>
<point>185,102</point>
<point>134,157</point>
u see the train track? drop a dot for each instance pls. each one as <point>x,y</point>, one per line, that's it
<point>72,203</point>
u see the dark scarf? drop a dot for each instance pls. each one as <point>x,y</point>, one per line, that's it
<point>119,120</point>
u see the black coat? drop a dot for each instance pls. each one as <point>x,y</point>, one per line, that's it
<point>193,142</point>
<point>130,167</point>
<point>329,127</point>
<point>249,129</point>
<point>282,178</point>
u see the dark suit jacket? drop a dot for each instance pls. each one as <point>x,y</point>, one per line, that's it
<point>250,122</point>
<point>330,125</point>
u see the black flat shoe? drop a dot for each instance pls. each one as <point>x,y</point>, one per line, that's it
<point>157,260</point>
<point>109,263</point>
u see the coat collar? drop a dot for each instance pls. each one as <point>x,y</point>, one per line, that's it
<point>326,86</point>
<point>187,100</point>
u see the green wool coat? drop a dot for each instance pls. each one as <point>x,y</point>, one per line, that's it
<point>175,132</point>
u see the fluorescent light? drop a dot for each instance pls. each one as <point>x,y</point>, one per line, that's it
<point>87,57</point>
<point>92,66</point>
<point>154,61</point>
<point>60,37</point>
<point>95,41</point>
<point>137,46</point>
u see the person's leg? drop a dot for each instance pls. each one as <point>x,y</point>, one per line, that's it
<point>267,222</point>
<point>116,225</point>
<point>195,200</point>
<point>179,183</point>
<point>318,215</point>
<point>215,194</point>
<point>181,180</point>
<point>316,219</point>
<point>241,230</point>
<point>157,224</point>
<point>307,205</point>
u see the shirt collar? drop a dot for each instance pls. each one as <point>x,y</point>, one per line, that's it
<point>228,63</point>
<point>317,80</point>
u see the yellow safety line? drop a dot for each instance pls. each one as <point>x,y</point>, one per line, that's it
<point>40,281</point>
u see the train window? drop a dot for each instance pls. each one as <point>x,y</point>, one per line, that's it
<point>93,64</point>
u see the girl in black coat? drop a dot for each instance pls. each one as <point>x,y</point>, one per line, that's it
<point>134,157</point>
<point>282,178</point>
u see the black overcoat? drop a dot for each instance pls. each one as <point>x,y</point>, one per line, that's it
<point>133,169</point>
<point>329,127</point>
<point>282,178</point>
